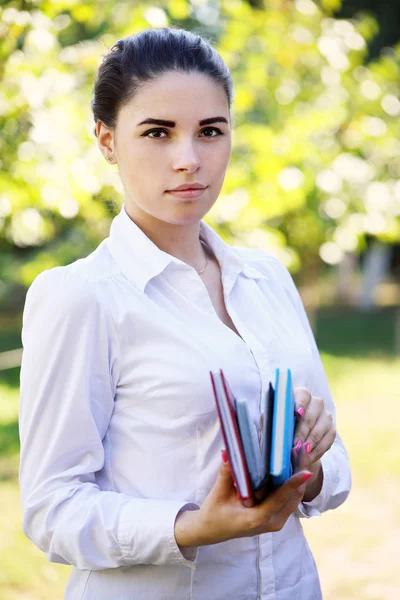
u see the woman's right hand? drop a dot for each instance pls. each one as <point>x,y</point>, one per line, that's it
<point>222,516</point>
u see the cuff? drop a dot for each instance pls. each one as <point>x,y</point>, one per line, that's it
<point>146,535</point>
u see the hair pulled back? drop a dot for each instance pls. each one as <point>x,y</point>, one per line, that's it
<point>140,58</point>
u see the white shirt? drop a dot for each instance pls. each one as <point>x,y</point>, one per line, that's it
<point>118,424</point>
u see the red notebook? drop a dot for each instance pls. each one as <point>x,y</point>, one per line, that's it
<point>225,402</point>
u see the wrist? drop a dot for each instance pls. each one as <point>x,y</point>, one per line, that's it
<point>314,484</point>
<point>186,529</point>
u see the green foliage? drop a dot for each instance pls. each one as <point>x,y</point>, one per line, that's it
<point>316,142</point>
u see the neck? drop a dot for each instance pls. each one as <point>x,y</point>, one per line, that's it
<point>181,241</point>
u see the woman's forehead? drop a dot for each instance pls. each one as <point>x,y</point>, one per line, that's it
<point>176,95</point>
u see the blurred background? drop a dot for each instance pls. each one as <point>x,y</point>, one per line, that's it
<point>314,179</point>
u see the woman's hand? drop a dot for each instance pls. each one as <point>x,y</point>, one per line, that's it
<point>315,428</point>
<point>222,515</point>
<point>315,432</point>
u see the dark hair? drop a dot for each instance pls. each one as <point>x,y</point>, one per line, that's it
<point>140,58</point>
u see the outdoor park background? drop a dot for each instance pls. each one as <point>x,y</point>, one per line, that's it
<point>314,179</point>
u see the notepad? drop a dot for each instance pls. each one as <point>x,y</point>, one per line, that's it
<point>225,402</point>
<point>251,446</point>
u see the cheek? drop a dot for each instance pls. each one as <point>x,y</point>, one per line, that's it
<point>147,159</point>
<point>217,158</point>
<point>142,163</point>
<point>144,159</point>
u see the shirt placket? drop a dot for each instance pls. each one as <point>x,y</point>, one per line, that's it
<point>263,365</point>
<point>198,293</point>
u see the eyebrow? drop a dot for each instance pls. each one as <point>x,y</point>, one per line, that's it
<point>209,121</point>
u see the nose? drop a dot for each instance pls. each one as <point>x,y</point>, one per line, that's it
<point>186,157</point>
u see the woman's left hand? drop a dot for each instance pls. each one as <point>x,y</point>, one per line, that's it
<point>315,428</point>
<point>315,433</point>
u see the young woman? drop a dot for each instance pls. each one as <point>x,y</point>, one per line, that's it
<point>121,473</point>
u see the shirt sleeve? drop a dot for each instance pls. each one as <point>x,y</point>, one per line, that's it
<point>335,462</point>
<point>68,378</point>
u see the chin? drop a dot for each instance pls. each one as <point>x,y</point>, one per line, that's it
<point>185,221</point>
<point>188,216</point>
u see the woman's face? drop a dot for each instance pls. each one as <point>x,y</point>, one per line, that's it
<point>175,131</point>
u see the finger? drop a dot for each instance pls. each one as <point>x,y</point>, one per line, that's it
<point>223,487</point>
<point>308,420</point>
<point>282,515</point>
<point>300,459</point>
<point>281,495</point>
<point>323,446</point>
<point>302,399</point>
<point>272,513</point>
<point>320,429</point>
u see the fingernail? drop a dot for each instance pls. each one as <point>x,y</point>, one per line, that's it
<point>306,476</point>
<point>307,447</point>
<point>300,411</point>
<point>224,456</point>
<point>298,446</point>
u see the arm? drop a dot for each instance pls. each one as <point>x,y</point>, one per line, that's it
<point>331,483</point>
<point>69,374</point>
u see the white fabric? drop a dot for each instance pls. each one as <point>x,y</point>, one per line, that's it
<point>118,425</point>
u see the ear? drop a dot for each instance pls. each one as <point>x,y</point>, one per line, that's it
<point>105,139</point>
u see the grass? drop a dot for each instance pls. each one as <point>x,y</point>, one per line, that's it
<point>355,546</point>
<point>25,573</point>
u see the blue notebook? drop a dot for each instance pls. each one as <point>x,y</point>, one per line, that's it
<point>283,424</point>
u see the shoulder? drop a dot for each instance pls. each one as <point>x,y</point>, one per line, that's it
<point>267,265</point>
<point>72,287</point>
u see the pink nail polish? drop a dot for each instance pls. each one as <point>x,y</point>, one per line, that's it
<point>306,476</point>
<point>307,447</point>
<point>224,456</point>
<point>300,411</point>
<point>298,446</point>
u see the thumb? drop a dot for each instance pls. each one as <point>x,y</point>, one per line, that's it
<point>223,486</point>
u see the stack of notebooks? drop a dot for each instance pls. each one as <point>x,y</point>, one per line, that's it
<point>257,468</point>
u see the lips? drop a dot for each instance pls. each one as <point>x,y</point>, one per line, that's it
<point>188,186</point>
<point>187,192</point>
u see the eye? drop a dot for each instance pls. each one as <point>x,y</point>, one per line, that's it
<point>212,130</point>
<point>157,133</point>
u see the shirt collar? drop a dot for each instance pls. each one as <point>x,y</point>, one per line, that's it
<point>140,259</point>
